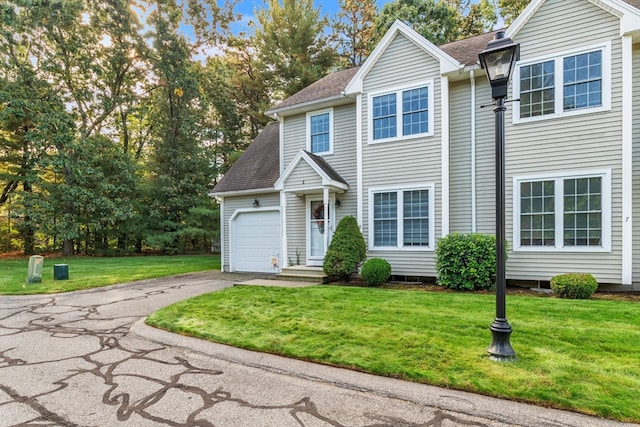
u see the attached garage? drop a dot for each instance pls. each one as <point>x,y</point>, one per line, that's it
<point>255,241</point>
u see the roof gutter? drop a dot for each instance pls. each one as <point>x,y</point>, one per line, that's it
<point>304,107</point>
<point>242,192</point>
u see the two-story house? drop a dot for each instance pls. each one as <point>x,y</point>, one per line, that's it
<point>404,144</point>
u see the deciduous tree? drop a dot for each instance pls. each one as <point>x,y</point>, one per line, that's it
<point>353,28</point>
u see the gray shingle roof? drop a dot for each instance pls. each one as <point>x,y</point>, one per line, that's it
<point>634,3</point>
<point>326,168</point>
<point>327,87</point>
<point>259,165</point>
<point>466,51</point>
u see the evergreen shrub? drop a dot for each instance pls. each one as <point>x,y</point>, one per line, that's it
<point>466,261</point>
<point>574,285</point>
<point>375,271</point>
<point>346,251</point>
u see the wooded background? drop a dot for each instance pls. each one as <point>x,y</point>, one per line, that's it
<point>112,133</point>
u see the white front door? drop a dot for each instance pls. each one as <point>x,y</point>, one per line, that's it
<point>317,226</point>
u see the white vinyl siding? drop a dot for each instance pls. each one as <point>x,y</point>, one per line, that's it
<point>461,158</point>
<point>569,144</point>
<point>415,159</point>
<point>341,160</point>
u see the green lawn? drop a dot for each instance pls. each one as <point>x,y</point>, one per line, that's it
<point>91,272</point>
<point>581,355</point>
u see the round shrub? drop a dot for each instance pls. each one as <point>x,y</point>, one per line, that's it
<point>466,261</point>
<point>574,285</point>
<point>375,271</point>
<point>346,251</point>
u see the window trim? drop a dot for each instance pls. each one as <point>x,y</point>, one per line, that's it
<point>558,58</point>
<point>331,133</point>
<point>400,189</point>
<point>397,90</point>
<point>558,179</point>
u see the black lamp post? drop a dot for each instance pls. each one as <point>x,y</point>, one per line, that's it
<point>498,60</point>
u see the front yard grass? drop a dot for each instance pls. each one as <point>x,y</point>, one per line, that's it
<point>92,272</point>
<point>579,355</point>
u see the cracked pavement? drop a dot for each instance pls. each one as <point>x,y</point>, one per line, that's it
<point>87,359</point>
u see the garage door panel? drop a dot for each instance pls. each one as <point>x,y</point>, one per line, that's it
<point>255,240</point>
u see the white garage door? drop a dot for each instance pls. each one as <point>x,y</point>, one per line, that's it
<point>255,241</point>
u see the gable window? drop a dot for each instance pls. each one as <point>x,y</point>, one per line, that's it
<point>403,218</point>
<point>401,113</point>
<point>563,212</point>
<point>566,84</point>
<point>320,132</point>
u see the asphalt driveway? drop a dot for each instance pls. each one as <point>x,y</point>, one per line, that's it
<point>87,359</point>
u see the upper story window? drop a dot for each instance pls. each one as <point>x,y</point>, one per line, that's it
<point>563,212</point>
<point>320,132</point>
<point>401,113</point>
<point>402,218</point>
<point>573,83</point>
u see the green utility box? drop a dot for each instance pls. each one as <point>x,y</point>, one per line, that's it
<point>34,273</point>
<point>60,272</point>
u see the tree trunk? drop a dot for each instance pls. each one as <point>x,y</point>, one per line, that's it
<point>28,233</point>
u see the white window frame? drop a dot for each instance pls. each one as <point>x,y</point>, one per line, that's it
<point>400,217</point>
<point>558,76</point>
<point>397,90</point>
<point>558,179</point>
<point>319,113</point>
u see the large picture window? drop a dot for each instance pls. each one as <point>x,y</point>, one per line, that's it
<point>403,218</point>
<point>563,212</point>
<point>401,113</point>
<point>565,84</point>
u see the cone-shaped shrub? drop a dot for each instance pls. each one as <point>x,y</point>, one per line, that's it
<point>346,251</point>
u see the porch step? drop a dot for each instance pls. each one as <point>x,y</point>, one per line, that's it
<point>302,272</point>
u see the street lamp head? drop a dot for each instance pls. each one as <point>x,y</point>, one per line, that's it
<point>497,60</point>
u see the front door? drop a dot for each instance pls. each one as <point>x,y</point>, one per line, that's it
<point>317,227</point>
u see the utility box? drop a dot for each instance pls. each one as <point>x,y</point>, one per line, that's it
<point>60,272</point>
<point>34,273</point>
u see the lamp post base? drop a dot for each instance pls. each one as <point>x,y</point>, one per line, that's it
<point>500,349</point>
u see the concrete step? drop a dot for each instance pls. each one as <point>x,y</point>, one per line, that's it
<point>301,272</point>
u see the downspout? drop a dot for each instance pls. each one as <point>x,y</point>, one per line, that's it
<point>445,149</point>
<point>284,241</point>
<point>222,234</point>
<point>627,160</point>
<point>472,79</point>
<point>359,185</point>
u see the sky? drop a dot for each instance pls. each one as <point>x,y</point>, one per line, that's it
<point>247,7</point>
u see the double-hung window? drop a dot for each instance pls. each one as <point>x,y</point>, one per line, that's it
<point>402,218</point>
<point>563,212</point>
<point>320,132</point>
<point>572,83</point>
<point>402,113</point>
